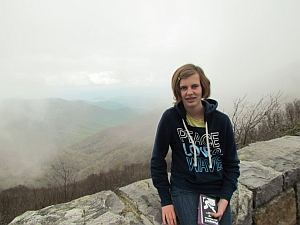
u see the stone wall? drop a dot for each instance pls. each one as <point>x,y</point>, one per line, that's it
<point>270,170</point>
<point>268,193</point>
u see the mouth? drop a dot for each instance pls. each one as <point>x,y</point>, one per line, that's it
<point>191,99</point>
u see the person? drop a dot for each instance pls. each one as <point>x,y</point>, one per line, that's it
<point>204,155</point>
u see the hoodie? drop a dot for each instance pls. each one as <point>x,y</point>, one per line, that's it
<point>211,168</point>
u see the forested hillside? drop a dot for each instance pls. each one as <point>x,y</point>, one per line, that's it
<point>64,121</point>
<point>114,147</point>
<point>32,132</point>
<point>37,136</point>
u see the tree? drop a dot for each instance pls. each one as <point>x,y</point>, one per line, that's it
<point>246,117</point>
<point>292,110</point>
<point>63,178</point>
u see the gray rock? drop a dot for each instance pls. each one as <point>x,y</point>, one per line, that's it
<point>297,192</point>
<point>265,182</point>
<point>281,154</point>
<point>242,206</point>
<point>270,178</point>
<point>100,208</point>
<point>145,196</point>
<point>280,210</point>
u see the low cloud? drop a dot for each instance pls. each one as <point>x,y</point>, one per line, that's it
<point>82,79</point>
<point>103,78</point>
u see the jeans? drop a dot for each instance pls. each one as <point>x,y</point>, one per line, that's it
<point>186,207</point>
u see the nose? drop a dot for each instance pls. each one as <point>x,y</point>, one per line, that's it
<point>189,91</point>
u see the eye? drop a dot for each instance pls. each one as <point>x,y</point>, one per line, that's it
<point>195,86</point>
<point>183,88</point>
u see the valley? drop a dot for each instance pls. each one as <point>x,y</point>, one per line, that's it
<point>89,137</point>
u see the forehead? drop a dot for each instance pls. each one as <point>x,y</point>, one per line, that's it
<point>193,79</point>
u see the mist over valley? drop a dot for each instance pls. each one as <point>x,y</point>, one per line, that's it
<point>91,136</point>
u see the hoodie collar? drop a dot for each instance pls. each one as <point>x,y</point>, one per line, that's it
<point>209,104</point>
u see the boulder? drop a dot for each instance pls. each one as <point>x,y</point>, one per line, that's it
<point>268,193</point>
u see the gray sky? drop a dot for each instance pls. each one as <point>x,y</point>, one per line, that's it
<point>112,47</point>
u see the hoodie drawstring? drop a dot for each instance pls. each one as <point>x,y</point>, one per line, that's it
<point>208,146</point>
<point>194,146</point>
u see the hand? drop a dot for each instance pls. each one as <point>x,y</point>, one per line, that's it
<point>222,205</point>
<point>169,215</point>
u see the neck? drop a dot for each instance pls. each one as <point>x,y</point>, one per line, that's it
<point>197,112</point>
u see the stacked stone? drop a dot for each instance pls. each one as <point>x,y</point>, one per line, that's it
<point>268,193</point>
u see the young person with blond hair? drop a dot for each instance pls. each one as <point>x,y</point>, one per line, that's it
<point>204,155</point>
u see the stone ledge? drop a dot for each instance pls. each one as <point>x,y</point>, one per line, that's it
<point>281,210</point>
<point>264,182</point>
<point>281,154</point>
<point>268,193</point>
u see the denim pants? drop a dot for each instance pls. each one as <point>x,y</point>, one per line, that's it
<point>186,207</point>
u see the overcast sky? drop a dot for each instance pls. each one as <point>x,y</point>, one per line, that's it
<point>67,49</point>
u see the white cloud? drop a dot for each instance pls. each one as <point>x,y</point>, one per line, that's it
<point>81,79</point>
<point>103,78</point>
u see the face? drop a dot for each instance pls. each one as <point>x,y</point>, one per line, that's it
<point>191,91</point>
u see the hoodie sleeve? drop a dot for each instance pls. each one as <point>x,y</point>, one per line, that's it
<point>230,165</point>
<point>158,163</point>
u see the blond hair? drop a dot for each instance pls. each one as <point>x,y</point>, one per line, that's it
<point>186,71</point>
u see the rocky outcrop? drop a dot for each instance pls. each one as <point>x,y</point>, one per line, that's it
<point>268,193</point>
<point>271,171</point>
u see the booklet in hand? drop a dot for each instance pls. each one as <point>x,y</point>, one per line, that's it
<point>205,207</point>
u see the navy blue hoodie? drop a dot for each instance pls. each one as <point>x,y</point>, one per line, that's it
<point>221,179</point>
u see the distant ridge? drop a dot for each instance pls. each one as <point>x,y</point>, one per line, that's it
<point>110,105</point>
<point>31,131</point>
<point>113,147</point>
<point>65,120</point>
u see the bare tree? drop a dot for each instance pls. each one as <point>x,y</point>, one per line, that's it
<point>63,177</point>
<point>246,117</point>
<point>292,110</point>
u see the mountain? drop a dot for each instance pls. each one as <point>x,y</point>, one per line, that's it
<point>66,121</point>
<point>113,147</point>
<point>110,105</point>
<point>138,102</point>
<point>33,131</point>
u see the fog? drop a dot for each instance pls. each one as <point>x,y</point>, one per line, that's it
<point>111,49</point>
<point>26,141</point>
<point>80,49</point>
